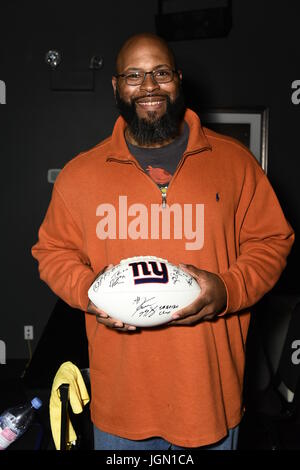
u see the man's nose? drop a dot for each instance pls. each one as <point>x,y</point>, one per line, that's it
<point>149,83</point>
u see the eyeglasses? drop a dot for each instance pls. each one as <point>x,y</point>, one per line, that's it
<point>138,77</point>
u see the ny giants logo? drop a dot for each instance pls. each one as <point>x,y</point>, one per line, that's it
<point>157,275</point>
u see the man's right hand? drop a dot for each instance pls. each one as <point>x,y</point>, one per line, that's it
<point>103,318</point>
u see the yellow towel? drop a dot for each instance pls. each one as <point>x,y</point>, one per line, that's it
<point>78,398</point>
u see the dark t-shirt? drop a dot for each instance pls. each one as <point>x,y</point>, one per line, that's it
<point>161,163</point>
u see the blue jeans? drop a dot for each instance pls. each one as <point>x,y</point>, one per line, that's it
<point>105,441</point>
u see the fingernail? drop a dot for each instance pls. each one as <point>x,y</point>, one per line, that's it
<point>118,324</point>
<point>132,328</point>
<point>103,315</point>
<point>175,316</point>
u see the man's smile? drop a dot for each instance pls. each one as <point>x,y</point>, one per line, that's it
<point>151,103</point>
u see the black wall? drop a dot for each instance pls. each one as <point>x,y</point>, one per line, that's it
<point>41,129</point>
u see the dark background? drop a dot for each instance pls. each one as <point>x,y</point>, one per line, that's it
<point>254,65</point>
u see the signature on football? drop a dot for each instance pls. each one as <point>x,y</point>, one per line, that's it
<point>147,307</point>
<point>118,278</point>
<point>178,275</point>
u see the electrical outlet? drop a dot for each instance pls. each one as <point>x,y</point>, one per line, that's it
<point>28,332</point>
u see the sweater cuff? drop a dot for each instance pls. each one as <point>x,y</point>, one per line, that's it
<point>231,291</point>
<point>84,287</point>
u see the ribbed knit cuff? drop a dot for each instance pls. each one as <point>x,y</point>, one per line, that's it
<point>84,287</point>
<point>231,291</point>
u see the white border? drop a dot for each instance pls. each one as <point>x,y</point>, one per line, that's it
<point>258,129</point>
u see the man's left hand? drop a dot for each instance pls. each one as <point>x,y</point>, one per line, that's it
<point>211,301</point>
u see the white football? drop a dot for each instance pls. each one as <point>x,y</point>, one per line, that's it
<point>143,291</point>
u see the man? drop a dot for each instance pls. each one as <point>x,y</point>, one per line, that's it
<point>178,386</point>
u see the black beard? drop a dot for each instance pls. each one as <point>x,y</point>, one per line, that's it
<point>153,130</point>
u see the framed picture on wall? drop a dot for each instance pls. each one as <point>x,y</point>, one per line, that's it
<point>249,126</point>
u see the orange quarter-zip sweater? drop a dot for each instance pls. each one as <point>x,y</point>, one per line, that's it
<point>182,383</point>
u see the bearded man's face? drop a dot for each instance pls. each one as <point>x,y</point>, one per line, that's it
<point>153,111</point>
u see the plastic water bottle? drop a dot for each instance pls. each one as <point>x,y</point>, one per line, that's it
<point>16,420</point>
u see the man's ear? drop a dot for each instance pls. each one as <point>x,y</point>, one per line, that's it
<point>114,84</point>
<point>179,72</point>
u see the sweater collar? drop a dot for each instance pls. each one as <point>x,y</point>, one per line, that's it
<point>197,139</point>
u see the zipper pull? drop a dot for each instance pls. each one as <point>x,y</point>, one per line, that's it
<point>164,197</point>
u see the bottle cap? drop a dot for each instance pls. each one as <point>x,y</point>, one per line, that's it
<point>36,403</point>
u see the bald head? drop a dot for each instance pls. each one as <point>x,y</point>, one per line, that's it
<point>138,45</point>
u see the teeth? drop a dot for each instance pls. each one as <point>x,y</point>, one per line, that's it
<point>150,103</point>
